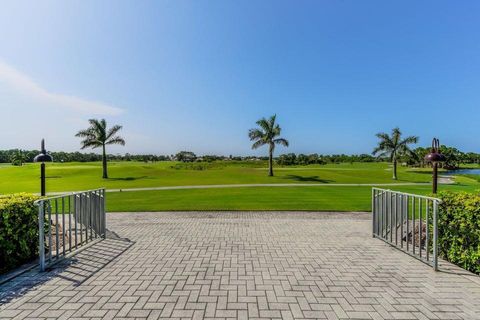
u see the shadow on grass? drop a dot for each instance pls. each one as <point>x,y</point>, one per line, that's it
<point>306,179</point>
<point>423,172</point>
<point>128,178</point>
<point>74,270</point>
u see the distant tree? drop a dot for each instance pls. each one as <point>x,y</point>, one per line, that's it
<point>287,159</point>
<point>314,159</point>
<point>97,135</point>
<point>186,156</point>
<point>213,157</point>
<point>364,158</point>
<point>18,158</point>
<point>302,159</point>
<point>267,134</point>
<point>417,157</point>
<point>452,157</point>
<point>471,157</point>
<point>393,147</point>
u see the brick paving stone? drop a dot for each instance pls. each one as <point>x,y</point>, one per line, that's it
<point>242,265</point>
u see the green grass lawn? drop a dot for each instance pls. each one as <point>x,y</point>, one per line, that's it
<point>123,175</point>
<point>259,198</point>
<point>83,176</point>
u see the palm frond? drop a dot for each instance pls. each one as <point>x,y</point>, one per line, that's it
<point>378,149</point>
<point>264,124</point>
<point>116,140</point>
<point>271,121</point>
<point>383,136</point>
<point>113,130</point>
<point>384,154</point>
<point>84,133</point>
<point>254,134</point>
<point>99,127</point>
<point>88,143</point>
<point>396,135</point>
<point>410,140</point>
<point>281,141</point>
<point>257,144</point>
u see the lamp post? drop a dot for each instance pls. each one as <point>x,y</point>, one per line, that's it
<point>435,157</point>
<point>43,157</point>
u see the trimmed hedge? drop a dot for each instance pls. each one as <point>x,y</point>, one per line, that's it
<point>459,229</point>
<point>18,230</point>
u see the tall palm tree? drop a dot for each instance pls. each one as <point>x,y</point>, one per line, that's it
<point>394,147</point>
<point>97,135</point>
<point>267,134</point>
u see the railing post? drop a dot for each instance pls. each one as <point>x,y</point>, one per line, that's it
<point>41,235</point>
<point>373,212</point>
<point>104,215</point>
<point>435,235</point>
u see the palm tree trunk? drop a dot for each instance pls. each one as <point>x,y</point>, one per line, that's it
<point>394,169</point>
<point>270,162</point>
<point>104,163</point>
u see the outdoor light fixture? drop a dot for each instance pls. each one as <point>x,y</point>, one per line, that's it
<point>435,157</point>
<point>43,157</point>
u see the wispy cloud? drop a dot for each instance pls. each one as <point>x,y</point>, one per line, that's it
<point>24,84</point>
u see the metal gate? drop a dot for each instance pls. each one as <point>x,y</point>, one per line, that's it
<point>68,222</point>
<point>407,222</point>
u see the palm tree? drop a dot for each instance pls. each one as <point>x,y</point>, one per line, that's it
<point>18,158</point>
<point>97,136</point>
<point>394,147</point>
<point>267,134</point>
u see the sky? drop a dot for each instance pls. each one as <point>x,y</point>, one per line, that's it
<point>196,75</point>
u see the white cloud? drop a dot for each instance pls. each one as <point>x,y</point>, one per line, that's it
<point>24,84</point>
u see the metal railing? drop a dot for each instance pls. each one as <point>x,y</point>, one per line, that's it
<point>407,222</point>
<point>68,222</point>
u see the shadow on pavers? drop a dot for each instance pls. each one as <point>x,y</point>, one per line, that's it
<point>75,269</point>
<point>450,268</point>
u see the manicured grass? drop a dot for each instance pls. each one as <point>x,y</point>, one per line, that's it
<point>123,175</point>
<point>258,198</point>
<point>83,176</point>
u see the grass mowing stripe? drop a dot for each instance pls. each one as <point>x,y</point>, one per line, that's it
<point>287,198</point>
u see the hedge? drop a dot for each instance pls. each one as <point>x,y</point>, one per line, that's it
<point>459,229</point>
<point>18,230</point>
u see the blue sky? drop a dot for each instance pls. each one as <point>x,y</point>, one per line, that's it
<point>196,75</point>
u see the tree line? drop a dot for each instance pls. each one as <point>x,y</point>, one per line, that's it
<point>18,157</point>
<point>391,147</point>
<point>453,156</point>
<point>314,158</point>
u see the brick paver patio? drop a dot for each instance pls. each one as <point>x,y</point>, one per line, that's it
<point>242,265</point>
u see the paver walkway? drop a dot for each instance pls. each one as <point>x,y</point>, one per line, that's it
<point>242,265</point>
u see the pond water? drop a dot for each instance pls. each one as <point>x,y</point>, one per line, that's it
<point>462,171</point>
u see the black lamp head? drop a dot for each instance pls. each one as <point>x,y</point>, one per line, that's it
<point>435,156</point>
<point>43,156</point>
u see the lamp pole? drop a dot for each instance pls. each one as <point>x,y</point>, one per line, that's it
<point>435,178</point>
<point>42,179</point>
<point>43,157</point>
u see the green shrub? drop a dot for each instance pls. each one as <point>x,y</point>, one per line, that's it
<point>18,230</point>
<point>459,229</point>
